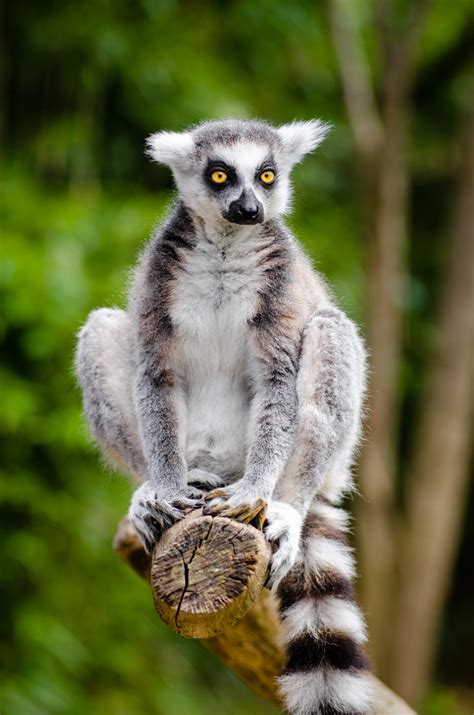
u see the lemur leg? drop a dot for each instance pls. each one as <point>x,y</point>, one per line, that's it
<point>105,372</point>
<point>330,388</point>
<point>324,630</point>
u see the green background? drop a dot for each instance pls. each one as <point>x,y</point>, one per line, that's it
<point>82,84</point>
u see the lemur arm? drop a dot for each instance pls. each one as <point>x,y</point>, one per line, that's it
<point>165,496</point>
<point>156,394</point>
<point>157,407</point>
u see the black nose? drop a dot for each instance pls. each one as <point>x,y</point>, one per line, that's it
<point>245,210</point>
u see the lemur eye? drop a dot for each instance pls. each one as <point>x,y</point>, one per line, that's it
<point>219,177</point>
<point>267,177</point>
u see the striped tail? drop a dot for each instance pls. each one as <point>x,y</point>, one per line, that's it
<point>327,672</point>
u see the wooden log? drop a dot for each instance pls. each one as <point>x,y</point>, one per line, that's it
<point>207,573</point>
<point>207,576</point>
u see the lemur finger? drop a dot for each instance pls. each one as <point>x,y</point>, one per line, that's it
<point>214,508</point>
<point>248,513</point>
<point>164,512</point>
<point>231,512</point>
<point>216,494</point>
<point>245,513</point>
<point>260,511</point>
<point>187,504</point>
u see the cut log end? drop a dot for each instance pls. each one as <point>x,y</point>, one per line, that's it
<point>206,574</point>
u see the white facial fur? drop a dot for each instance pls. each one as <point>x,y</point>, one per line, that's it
<point>245,158</point>
<point>286,146</point>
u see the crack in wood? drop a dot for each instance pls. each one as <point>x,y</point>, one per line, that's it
<point>186,565</point>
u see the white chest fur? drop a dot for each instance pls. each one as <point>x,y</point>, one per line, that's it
<point>213,299</point>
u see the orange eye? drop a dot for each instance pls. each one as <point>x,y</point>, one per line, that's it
<point>219,177</point>
<point>267,177</point>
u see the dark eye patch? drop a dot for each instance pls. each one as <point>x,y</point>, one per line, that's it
<point>218,165</point>
<point>267,165</point>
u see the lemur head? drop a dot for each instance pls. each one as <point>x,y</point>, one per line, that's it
<point>236,171</point>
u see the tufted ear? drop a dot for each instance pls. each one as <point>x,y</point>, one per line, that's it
<point>170,148</point>
<point>300,138</point>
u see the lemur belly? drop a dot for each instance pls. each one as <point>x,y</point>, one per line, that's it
<point>216,397</point>
<point>217,416</point>
<point>215,296</point>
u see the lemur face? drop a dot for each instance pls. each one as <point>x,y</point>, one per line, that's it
<point>236,171</point>
<point>244,182</point>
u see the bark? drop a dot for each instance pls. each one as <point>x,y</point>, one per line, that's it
<point>439,474</point>
<point>250,646</point>
<point>356,81</point>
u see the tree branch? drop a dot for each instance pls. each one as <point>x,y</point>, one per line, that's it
<point>236,618</point>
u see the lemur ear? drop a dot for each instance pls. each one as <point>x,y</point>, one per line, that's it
<point>170,148</point>
<point>300,138</point>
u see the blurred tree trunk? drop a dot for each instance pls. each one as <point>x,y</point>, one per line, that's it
<point>3,74</point>
<point>380,143</point>
<point>406,559</point>
<point>438,478</point>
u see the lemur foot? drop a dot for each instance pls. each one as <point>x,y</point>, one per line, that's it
<point>203,479</point>
<point>283,531</point>
<point>151,513</point>
<point>234,502</point>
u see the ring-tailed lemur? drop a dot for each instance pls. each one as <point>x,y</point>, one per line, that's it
<point>233,368</point>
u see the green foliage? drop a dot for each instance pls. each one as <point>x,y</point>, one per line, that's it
<point>79,633</point>
<point>441,701</point>
<point>84,85</point>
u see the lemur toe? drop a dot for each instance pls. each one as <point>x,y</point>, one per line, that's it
<point>256,514</point>
<point>283,532</point>
<point>282,561</point>
<point>165,513</point>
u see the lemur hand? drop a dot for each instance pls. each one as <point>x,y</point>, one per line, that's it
<point>153,510</point>
<point>238,502</point>
<point>283,530</point>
